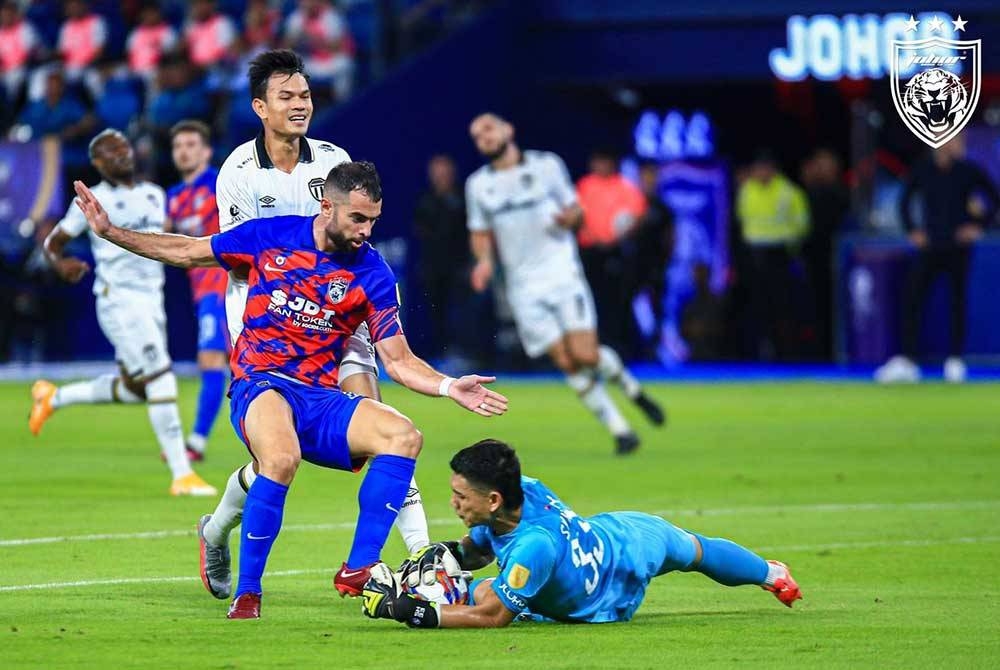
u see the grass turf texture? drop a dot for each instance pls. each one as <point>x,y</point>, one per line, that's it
<point>883,500</point>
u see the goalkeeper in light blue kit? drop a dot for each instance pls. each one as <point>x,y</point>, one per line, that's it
<point>555,564</point>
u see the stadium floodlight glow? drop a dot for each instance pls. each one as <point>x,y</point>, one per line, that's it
<point>828,47</point>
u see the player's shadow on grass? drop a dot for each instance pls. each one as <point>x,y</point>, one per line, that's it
<point>657,617</point>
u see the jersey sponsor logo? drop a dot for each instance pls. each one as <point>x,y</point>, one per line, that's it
<point>519,576</point>
<point>337,289</point>
<point>515,600</point>
<point>235,212</point>
<point>245,161</point>
<point>303,312</point>
<point>267,200</point>
<point>316,188</point>
<point>326,147</point>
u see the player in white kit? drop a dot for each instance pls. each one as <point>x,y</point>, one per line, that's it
<point>282,172</point>
<point>129,292</point>
<point>524,204</point>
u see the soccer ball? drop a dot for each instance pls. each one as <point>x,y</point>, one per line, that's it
<point>445,590</point>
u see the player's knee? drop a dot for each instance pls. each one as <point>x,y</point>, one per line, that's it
<point>161,387</point>
<point>406,440</point>
<point>280,465</point>
<point>585,357</point>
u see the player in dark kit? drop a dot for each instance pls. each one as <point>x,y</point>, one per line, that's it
<point>312,281</point>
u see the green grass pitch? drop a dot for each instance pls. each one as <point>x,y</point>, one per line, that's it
<point>884,501</point>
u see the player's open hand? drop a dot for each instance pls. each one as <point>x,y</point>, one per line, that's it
<point>469,392</point>
<point>91,208</point>
<point>71,270</point>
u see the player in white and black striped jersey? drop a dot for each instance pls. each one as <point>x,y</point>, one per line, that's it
<point>522,206</point>
<point>282,172</point>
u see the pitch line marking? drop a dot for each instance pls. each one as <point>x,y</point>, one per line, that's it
<point>723,511</point>
<point>288,573</point>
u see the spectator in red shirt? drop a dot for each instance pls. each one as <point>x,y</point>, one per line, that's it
<point>148,41</point>
<point>260,26</point>
<point>209,34</point>
<point>317,30</point>
<point>19,43</point>
<point>612,206</point>
<point>81,39</point>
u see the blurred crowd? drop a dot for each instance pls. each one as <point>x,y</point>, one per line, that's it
<point>70,68</point>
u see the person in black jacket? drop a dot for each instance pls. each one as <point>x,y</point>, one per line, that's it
<point>439,220</point>
<point>947,202</point>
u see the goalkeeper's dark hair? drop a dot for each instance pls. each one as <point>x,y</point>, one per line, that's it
<point>353,176</point>
<point>491,465</point>
<point>276,61</point>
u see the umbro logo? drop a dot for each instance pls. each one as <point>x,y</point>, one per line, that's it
<point>267,201</point>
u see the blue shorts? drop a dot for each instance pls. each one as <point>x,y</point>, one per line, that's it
<point>321,416</point>
<point>213,334</point>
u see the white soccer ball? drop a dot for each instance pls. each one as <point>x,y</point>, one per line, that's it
<point>448,587</point>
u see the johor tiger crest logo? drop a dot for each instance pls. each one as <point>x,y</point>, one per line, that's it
<point>337,289</point>
<point>936,82</point>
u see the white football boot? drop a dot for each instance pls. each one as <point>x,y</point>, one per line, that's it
<point>898,370</point>
<point>954,370</point>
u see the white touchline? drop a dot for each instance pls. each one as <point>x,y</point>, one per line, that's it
<point>288,573</point>
<point>144,580</point>
<point>721,511</point>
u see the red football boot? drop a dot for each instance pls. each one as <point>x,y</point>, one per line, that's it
<point>245,606</point>
<point>782,586</point>
<point>352,582</point>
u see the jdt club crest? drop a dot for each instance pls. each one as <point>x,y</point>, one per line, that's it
<point>936,82</point>
<point>337,289</point>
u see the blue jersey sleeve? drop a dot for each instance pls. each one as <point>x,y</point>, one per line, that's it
<point>383,300</point>
<point>529,566</point>
<point>237,247</point>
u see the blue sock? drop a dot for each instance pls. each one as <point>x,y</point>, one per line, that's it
<point>261,519</point>
<point>213,387</point>
<point>728,563</point>
<point>381,495</point>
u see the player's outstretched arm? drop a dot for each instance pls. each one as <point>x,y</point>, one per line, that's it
<point>179,250</point>
<point>408,369</point>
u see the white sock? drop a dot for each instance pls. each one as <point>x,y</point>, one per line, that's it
<point>412,521</point>
<point>595,397</point>
<point>774,573</point>
<point>161,398</point>
<point>609,364</point>
<point>103,389</point>
<point>229,512</point>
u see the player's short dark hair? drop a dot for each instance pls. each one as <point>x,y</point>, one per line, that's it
<point>276,61</point>
<point>192,126</point>
<point>354,176</point>
<point>491,465</point>
<point>100,137</point>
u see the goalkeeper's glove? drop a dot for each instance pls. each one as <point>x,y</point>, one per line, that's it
<point>381,599</point>
<point>421,566</point>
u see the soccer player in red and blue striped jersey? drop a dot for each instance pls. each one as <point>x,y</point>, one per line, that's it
<point>312,282</point>
<point>192,210</point>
